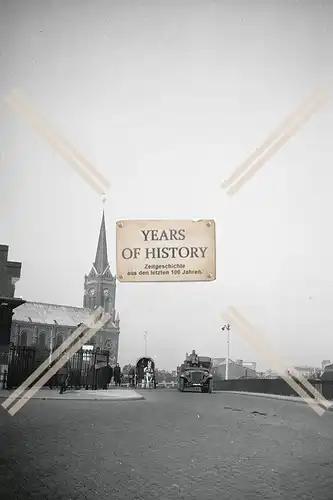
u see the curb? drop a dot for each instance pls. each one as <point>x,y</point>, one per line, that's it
<point>276,397</point>
<point>75,396</point>
<point>2,398</point>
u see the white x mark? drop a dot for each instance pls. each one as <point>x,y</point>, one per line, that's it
<point>85,169</point>
<point>258,341</point>
<point>288,128</point>
<point>66,350</point>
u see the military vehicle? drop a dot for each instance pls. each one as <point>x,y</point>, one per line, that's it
<point>195,374</point>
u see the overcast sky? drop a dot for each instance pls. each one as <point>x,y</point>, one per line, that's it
<point>166,98</point>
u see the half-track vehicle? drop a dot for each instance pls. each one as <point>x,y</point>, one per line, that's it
<point>195,374</point>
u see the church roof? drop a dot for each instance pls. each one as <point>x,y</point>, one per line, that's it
<point>50,314</point>
<point>101,261</point>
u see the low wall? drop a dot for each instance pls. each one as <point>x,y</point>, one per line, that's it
<point>271,386</point>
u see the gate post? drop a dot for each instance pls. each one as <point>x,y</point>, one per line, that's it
<point>94,387</point>
<point>10,273</point>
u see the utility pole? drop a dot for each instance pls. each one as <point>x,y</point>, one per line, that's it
<point>146,342</point>
<point>228,328</point>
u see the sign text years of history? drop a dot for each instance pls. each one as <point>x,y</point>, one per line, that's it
<point>163,250</point>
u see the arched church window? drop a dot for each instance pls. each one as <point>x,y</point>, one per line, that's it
<point>23,338</point>
<point>59,340</point>
<point>108,345</point>
<point>41,342</point>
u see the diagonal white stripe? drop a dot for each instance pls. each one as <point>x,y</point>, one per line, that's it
<point>96,180</point>
<point>258,342</point>
<point>42,381</point>
<point>318,397</point>
<point>281,370</point>
<point>31,379</point>
<point>270,139</point>
<point>275,141</point>
<point>278,144</point>
<point>267,349</point>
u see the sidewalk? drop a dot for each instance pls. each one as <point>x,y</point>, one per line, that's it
<point>81,395</point>
<point>294,399</point>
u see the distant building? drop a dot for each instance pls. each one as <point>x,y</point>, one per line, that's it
<point>250,364</point>
<point>46,325</point>
<point>327,373</point>
<point>10,273</point>
<point>237,369</point>
<point>306,371</point>
<point>218,361</point>
<point>325,363</point>
<point>271,374</point>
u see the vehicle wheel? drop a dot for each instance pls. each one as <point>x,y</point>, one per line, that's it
<point>181,385</point>
<point>210,387</point>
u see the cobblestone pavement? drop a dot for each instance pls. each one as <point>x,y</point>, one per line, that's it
<point>168,446</point>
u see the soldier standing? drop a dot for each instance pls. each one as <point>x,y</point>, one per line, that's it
<point>109,373</point>
<point>194,358</point>
<point>63,373</point>
<point>117,374</point>
<point>131,376</point>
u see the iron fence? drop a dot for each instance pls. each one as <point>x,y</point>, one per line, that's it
<point>86,367</point>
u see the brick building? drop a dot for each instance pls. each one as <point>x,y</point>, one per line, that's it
<point>306,371</point>
<point>237,369</point>
<point>48,325</point>
<point>10,273</point>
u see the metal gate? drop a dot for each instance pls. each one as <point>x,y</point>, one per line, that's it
<point>21,364</point>
<point>86,367</point>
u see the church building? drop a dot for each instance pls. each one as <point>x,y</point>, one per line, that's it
<point>48,325</point>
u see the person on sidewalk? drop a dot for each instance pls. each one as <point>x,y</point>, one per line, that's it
<point>99,376</point>
<point>63,373</point>
<point>52,382</point>
<point>131,376</point>
<point>109,374</point>
<point>117,375</point>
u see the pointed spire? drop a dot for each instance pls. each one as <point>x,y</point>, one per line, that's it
<point>101,261</point>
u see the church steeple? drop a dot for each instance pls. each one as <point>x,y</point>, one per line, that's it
<point>99,284</point>
<point>101,261</point>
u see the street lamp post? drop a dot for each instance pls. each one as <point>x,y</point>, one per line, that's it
<point>146,342</point>
<point>227,327</point>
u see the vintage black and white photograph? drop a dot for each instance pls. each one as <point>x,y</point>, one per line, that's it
<point>166,281</point>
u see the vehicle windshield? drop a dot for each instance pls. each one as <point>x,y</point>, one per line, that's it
<point>201,364</point>
<point>205,364</point>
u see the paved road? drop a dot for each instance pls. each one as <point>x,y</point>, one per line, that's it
<point>170,446</point>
